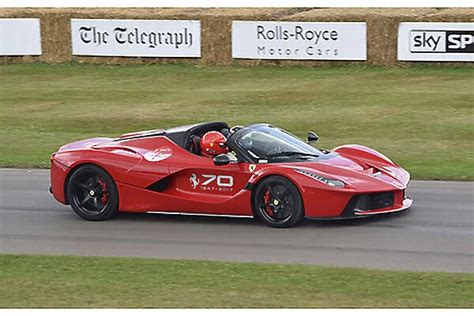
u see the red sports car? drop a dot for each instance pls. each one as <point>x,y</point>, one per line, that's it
<point>210,169</point>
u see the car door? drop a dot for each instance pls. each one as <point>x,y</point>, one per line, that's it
<point>202,186</point>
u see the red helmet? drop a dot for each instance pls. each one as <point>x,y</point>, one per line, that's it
<point>213,144</point>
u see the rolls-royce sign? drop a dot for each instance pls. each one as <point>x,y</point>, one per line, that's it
<point>299,40</point>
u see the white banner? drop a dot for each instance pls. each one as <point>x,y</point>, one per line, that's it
<point>136,38</point>
<point>436,41</point>
<point>20,37</point>
<point>299,40</point>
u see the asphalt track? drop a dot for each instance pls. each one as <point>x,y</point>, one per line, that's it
<point>436,234</point>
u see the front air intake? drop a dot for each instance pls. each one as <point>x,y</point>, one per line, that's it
<point>380,200</point>
<point>367,202</point>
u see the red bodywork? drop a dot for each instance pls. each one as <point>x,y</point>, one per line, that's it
<point>153,174</point>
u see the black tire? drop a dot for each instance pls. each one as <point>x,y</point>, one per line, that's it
<point>92,193</point>
<point>277,202</point>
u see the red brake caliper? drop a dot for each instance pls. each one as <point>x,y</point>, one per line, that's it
<point>105,194</point>
<point>266,199</point>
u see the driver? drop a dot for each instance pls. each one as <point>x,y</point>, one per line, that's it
<point>213,144</point>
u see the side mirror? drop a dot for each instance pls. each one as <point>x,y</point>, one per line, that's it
<point>221,160</point>
<point>312,137</point>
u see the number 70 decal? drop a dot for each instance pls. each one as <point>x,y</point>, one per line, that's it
<point>222,181</point>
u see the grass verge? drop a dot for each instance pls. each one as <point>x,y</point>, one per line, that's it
<point>65,281</point>
<point>422,117</point>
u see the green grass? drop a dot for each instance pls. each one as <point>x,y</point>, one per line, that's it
<point>421,117</point>
<point>65,281</point>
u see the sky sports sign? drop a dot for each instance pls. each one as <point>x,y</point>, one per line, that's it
<point>299,40</point>
<point>436,42</point>
<point>136,38</point>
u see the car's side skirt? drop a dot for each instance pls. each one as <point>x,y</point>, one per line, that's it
<point>200,214</point>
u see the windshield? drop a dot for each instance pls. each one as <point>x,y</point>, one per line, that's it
<point>267,142</point>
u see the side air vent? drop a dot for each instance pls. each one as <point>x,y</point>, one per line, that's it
<point>160,185</point>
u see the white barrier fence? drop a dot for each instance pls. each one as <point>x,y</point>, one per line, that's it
<point>421,41</point>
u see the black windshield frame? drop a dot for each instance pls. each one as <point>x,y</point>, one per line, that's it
<point>279,135</point>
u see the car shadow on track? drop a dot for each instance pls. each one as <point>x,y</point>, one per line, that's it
<point>203,220</point>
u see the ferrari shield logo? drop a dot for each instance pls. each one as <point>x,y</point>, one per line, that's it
<point>252,168</point>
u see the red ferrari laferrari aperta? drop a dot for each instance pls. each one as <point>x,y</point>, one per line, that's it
<point>261,170</point>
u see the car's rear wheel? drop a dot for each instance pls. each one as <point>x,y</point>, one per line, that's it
<point>92,193</point>
<point>277,202</point>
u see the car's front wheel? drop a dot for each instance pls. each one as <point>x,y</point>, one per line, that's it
<point>277,202</point>
<point>92,193</point>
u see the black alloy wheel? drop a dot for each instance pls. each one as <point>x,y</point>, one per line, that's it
<point>277,202</point>
<point>92,193</point>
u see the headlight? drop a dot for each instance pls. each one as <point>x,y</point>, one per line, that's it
<point>331,182</point>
